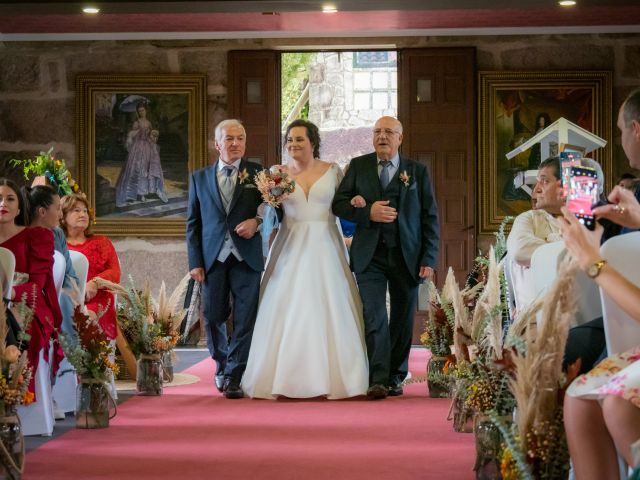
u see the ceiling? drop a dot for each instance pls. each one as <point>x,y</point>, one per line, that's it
<point>58,20</point>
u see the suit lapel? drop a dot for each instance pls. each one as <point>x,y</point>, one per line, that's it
<point>373,178</point>
<point>403,166</point>
<point>237,190</point>
<point>212,180</point>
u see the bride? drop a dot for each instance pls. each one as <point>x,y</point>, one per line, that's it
<point>308,340</point>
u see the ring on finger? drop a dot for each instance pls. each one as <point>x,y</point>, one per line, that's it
<point>617,208</point>
<point>620,210</point>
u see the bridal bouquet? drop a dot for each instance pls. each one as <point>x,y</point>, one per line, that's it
<point>275,185</point>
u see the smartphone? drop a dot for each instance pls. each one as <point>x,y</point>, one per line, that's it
<point>582,194</point>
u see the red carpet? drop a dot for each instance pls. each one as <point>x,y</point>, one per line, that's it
<point>193,433</point>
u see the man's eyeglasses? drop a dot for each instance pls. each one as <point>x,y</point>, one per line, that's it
<point>387,131</point>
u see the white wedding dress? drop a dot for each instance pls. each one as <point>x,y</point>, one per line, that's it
<point>308,339</point>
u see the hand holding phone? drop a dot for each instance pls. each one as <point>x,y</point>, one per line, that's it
<point>582,194</point>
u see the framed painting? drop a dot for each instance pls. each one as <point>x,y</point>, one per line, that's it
<point>139,137</point>
<point>514,106</point>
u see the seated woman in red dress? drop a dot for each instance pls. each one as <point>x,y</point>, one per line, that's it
<point>103,260</point>
<point>33,251</point>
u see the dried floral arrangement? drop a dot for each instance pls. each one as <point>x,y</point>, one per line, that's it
<point>90,352</point>
<point>150,326</point>
<point>535,445</point>
<point>15,372</point>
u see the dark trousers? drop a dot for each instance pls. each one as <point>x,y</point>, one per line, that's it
<point>587,342</point>
<point>388,338</point>
<point>227,280</point>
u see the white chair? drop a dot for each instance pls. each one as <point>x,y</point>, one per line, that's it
<point>7,268</point>
<point>64,389</point>
<point>81,266</point>
<point>37,418</point>
<point>511,294</point>
<point>544,269</point>
<point>621,331</point>
<point>59,267</point>
<point>622,253</point>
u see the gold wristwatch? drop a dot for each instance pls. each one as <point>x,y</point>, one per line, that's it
<point>594,270</point>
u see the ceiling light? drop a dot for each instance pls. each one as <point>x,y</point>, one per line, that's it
<point>566,3</point>
<point>329,8</point>
<point>91,10</point>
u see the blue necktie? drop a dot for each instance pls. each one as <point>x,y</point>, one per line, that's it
<point>384,175</point>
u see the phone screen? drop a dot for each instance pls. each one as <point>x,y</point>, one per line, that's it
<point>582,194</point>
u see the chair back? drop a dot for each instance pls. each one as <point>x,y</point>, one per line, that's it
<point>511,294</point>
<point>59,267</point>
<point>544,269</point>
<point>622,253</point>
<point>81,266</point>
<point>544,265</point>
<point>7,269</point>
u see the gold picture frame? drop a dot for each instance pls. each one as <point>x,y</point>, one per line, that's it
<point>139,137</point>
<point>512,107</point>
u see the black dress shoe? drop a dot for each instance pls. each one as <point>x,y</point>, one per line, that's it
<point>377,392</point>
<point>395,390</point>
<point>232,389</point>
<point>219,381</point>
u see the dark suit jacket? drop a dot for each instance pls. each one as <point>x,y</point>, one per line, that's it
<point>208,222</point>
<point>417,213</point>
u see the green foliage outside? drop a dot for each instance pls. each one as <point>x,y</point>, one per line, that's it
<point>295,75</point>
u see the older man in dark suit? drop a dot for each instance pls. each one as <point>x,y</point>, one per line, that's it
<point>225,254</point>
<point>395,245</point>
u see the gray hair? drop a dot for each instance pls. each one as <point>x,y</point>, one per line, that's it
<point>224,124</point>
<point>591,163</point>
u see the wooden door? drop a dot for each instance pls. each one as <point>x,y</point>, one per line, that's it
<point>254,98</point>
<point>436,105</point>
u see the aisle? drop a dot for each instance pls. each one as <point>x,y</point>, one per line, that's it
<point>192,432</point>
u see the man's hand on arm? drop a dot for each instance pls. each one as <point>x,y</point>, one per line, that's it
<point>197,274</point>
<point>247,229</point>
<point>382,213</point>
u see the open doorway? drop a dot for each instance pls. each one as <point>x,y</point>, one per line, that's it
<point>343,93</point>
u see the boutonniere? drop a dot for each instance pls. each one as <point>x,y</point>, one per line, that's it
<point>242,176</point>
<point>405,178</point>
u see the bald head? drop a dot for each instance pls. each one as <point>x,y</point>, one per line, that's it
<point>387,137</point>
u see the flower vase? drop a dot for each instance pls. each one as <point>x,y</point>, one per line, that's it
<point>149,377</point>
<point>92,404</point>
<point>11,443</point>
<point>462,416</point>
<point>167,367</point>
<point>488,447</point>
<point>437,381</point>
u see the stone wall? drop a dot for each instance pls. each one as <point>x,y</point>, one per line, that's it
<point>37,93</point>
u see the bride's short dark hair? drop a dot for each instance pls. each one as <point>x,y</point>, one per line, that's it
<point>312,133</point>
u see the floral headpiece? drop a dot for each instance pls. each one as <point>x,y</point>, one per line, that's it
<point>54,171</point>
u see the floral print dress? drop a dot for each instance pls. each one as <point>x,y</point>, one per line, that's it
<point>616,375</point>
